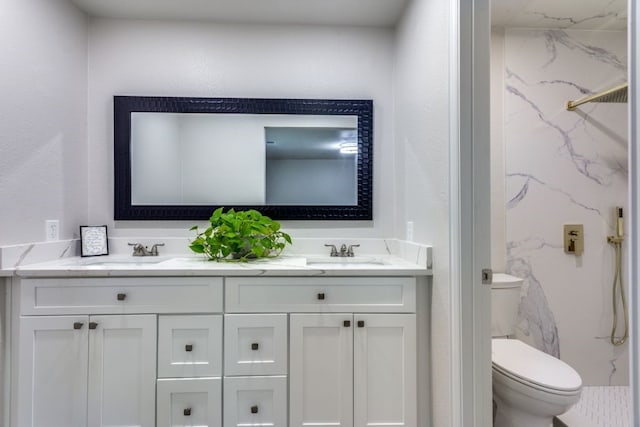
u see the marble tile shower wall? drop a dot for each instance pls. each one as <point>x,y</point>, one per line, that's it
<point>565,167</point>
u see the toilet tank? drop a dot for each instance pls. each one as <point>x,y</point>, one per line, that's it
<point>505,300</point>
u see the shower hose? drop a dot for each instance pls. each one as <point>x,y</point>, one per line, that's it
<point>618,284</point>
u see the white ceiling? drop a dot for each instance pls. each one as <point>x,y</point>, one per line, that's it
<point>574,14</point>
<point>383,13</point>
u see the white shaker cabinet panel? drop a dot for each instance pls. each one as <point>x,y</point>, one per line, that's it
<point>255,401</point>
<point>122,371</point>
<point>190,346</point>
<point>255,344</point>
<point>320,294</point>
<point>121,295</point>
<point>385,370</point>
<point>52,390</point>
<point>184,402</point>
<point>321,370</point>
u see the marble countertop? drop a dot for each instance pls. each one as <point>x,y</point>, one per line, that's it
<point>181,265</point>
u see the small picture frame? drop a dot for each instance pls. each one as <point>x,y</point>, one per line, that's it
<point>93,240</point>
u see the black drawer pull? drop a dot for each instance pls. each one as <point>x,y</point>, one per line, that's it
<point>254,409</point>
<point>255,346</point>
<point>321,296</point>
<point>78,325</point>
<point>347,323</point>
<point>121,297</point>
<point>187,412</point>
<point>93,325</point>
<point>360,323</point>
<point>188,347</point>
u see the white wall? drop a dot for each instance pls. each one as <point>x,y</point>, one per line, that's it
<point>43,119</point>
<point>421,83</point>
<point>200,59</point>
<point>564,167</point>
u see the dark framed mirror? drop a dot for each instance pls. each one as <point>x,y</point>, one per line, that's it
<point>291,159</point>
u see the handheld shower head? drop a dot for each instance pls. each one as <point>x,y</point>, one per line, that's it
<point>619,222</point>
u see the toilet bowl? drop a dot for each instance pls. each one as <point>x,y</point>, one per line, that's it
<point>530,387</point>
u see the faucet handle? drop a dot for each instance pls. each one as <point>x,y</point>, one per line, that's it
<point>138,249</point>
<point>350,250</point>
<point>334,250</point>
<point>154,249</point>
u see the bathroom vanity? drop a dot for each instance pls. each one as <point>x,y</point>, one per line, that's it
<point>188,342</point>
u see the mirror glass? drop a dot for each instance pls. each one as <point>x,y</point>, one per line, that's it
<point>180,158</point>
<point>243,159</point>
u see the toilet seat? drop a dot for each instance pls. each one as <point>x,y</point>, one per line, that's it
<point>529,366</point>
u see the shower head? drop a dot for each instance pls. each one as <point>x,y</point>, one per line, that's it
<point>616,94</point>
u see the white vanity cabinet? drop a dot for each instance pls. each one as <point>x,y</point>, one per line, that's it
<point>87,370</point>
<point>353,370</point>
<point>215,351</point>
<point>352,346</point>
<point>87,347</point>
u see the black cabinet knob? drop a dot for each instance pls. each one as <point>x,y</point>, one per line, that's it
<point>255,346</point>
<point>93,325</point>
<point>360,323</point>
<point>188,347</point>
<point>254,409</point>
<point>321,296</point>
<point>187,412</point>
<point>121,297</point>
<point>347,323</point>
<point>78,325</point>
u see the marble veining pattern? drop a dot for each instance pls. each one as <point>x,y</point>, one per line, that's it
<point>591,14</point>
<point>564,167</point>
<point>14,256</point>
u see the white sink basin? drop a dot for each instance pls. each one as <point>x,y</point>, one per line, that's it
<point>122,261</point>
<point>333,262</point>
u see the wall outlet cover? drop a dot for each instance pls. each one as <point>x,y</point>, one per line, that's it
<point>52,230</point>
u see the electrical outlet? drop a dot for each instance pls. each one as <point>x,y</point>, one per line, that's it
<point>52,230</point>
<point>409,231</point>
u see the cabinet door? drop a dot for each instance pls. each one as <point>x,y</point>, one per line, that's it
<point>321,370</point>
<point>190,346</point>
<point>186,402</point>
<point>385,370</point>
<point>255,401</point>
<point>122,371</point>
<point>52,372</point>
<point>255,344</point>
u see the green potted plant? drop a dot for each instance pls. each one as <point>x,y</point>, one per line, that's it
<point>239,236</point>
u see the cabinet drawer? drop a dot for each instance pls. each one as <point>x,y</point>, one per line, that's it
<point>121,295</point>
<point>255,344</point>
<point>189,402</point>
<point>255,401</point>
<point>190,346</point>
<point>320,294</point>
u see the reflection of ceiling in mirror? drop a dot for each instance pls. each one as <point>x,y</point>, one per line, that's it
<point>308,142</point>
<point>378,13</point>
<point>577,14</point>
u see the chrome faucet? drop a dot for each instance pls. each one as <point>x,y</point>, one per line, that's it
<point>344,250</point>
<point>140,250</point>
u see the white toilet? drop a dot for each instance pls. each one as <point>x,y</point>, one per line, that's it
<point>530,387</point>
